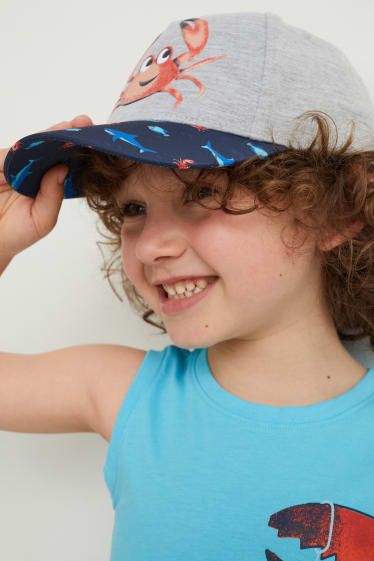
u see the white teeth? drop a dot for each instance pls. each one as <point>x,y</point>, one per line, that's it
<point>186,294</point>
<point>188,288</point>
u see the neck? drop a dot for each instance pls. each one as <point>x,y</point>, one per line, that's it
<point>301,364</point>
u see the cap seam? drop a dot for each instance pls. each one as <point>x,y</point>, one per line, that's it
<point>266,73</point>
<point>263,74</point>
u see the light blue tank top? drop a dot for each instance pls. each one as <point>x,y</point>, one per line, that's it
<point>198,474</point>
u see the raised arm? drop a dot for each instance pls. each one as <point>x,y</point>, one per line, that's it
<point>74,389</point>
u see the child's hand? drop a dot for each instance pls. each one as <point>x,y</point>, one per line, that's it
<point>25,220</point>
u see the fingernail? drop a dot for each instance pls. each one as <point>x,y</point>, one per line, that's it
<point>62,176</point>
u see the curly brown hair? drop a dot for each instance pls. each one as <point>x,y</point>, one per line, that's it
<point>328,189</point>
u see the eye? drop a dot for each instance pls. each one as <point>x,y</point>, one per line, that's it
<point>124,210</point>
<point>146,64</point>
<point>164,55</point>
<point>208,189</point>
<point>128,210</point>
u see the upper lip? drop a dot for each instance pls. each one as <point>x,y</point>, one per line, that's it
<point>174,280</point>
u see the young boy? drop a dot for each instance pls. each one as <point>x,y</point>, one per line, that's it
<point>219,452</point>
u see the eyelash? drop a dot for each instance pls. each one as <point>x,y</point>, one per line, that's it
<point>124,211</point>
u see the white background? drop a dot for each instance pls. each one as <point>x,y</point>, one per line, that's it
<point>60,59</point>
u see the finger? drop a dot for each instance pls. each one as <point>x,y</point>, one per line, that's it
<point>51,188</point>
<point>82,121</point>
<point>3,153</point>
<point>79,121</point>
<point>49,198</point>
<point>62,125</point>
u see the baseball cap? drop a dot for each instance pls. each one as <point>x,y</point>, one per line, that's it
<point>208,92</point>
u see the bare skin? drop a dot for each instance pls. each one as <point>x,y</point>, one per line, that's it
<point>269,335</point>
<point>25,220</point>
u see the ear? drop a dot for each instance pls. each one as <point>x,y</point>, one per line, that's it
<point>353,230</point>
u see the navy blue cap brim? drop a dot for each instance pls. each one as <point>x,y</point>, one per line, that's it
<point>154,142</point>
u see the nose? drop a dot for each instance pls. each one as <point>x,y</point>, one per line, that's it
<point>161,237</point>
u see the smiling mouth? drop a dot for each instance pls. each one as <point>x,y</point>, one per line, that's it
<point>148,81</point>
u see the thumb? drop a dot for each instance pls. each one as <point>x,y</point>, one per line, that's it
<point>62,173</point>
<point>52,183</point>
<point>51,193</point>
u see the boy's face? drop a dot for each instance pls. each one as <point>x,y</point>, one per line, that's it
<point>260,287</point>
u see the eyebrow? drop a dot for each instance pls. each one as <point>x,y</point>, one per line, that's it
<point>140,189</point>
<point>212,179</point>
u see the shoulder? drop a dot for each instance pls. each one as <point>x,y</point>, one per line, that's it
<point>114,369</point>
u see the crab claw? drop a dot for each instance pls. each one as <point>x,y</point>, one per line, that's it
<point>195,33</point>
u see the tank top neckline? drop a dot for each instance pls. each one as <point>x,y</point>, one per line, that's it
<point>276,415</point>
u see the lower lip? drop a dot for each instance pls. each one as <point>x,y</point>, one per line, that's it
<point>172,306</point>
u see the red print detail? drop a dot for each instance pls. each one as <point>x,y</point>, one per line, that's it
<point>352,531</point>
<point>200,128</point>
<point>157,72</point>
<point>68,145</point>
<point>183,163</point>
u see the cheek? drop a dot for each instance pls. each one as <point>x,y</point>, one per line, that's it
<point>129,263</point>
<point>133,268</point>
<point>251,256</point>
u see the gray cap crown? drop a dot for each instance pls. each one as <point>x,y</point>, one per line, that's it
<point>268,73</point>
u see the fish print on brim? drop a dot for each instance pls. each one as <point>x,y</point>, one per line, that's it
<point>166,143</point>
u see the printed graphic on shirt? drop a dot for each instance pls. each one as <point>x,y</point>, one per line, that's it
<point>157,72</point>
<point>336,532</point>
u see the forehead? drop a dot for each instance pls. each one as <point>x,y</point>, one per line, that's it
<point>150,177</point>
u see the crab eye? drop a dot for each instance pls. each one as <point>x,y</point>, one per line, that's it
<point>164,55</point>
<point>146,64</point>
